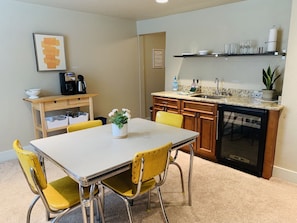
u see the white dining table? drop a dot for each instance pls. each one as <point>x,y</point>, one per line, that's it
<point>91,155</point>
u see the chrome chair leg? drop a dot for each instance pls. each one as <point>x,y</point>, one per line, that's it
<point>101,193</point>
<point>31,207</point>
<point>162,205</point>
<point>100,209</point>
<point>181,175</point>
<point>149,200</point>
<point>63,213</point>
<point>129,211</point>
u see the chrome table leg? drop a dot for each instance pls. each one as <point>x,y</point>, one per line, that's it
<point>190,175</point>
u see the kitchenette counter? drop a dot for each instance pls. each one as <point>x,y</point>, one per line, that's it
<point>199,116</point>
<point>228,100</point>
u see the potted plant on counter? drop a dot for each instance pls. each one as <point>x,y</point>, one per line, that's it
<point>269,77</point>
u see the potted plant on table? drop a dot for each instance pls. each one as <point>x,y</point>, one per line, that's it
<point>269,77</point>
<point>119,120</point>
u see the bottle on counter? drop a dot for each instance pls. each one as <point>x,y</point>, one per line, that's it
<point>193,86</point>
<point>174,84</point>
<point>197,86</point>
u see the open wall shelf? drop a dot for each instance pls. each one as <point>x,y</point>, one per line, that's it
<point>232,55</point>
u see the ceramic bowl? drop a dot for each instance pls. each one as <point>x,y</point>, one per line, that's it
<point>33,93</point>
<point>203,52</point>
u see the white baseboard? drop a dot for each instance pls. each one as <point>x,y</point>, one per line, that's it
<point>7,155</point>
<point>10,154</point>
<point>284,174</point>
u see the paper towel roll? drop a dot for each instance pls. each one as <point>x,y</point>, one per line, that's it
<point>271,47</point>
<point>272,38</point>
<point>272,35</point>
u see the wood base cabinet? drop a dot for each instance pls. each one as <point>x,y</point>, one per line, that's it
<point>165,104</point>
<point>201,117</point>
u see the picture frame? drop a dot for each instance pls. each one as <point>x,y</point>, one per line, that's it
<point>49,52</point>
<point>158,59</point>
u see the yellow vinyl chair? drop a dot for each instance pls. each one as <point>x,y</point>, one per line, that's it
<point>141,178</point>
<point>59,197</point>
<point>175,120</point>
<point>83,125</point>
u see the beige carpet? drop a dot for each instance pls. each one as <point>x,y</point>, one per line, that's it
<point>220,195</point>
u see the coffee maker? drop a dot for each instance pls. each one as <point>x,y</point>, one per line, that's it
<point>81,85</point>
<point>67,83</point>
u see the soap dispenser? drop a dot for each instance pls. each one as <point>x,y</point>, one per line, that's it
<point>198,89</point>
<point>193,86</point>
<point>174,84</point>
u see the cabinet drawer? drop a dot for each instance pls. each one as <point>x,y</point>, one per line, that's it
<point>167,102</point>
<point>78,101</point>
<point>201,107</point>
<point>55,105</point>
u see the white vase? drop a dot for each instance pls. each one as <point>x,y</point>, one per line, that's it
<point>119,132</point>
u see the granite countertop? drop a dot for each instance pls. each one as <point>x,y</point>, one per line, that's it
<point>228,100</point>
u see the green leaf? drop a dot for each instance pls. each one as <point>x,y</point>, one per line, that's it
<point>268,77</point>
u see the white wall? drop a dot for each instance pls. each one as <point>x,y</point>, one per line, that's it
<point>286,153</point>
<point>210,29</point>
<point>103,49</point>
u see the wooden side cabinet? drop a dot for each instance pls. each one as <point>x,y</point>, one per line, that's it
<point>201,117</point>
<point>53,103</point>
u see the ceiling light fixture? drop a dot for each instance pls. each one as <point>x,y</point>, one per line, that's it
<point>161,1</point>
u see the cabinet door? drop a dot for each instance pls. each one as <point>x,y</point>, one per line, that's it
<point>207,138</point>
<point>201,117</point>
<point>190,123</point>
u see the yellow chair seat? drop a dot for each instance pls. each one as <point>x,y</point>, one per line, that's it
<point>62,193</point>
<point>121,185</point>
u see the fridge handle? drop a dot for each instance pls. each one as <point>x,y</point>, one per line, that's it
<point>217,129</point>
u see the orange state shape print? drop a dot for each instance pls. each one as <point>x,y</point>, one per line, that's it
<point>51,52</point>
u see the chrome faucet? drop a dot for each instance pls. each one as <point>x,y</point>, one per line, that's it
<point>217,81</point>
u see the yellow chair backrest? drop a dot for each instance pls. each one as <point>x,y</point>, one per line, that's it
<point>168,118</point>
<point>28,161</point>
<point>155,162</point>
<point>83,125</point>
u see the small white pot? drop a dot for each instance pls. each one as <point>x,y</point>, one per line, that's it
<point>267,94</point>
<point>119,132</point>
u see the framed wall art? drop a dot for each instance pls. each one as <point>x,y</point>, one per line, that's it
<point>158,58</point>
<point>49,52</point>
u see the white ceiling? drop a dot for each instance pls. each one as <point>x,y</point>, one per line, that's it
<point>132,9</point>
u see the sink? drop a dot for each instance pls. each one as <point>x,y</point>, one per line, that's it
<point>209,96</point>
